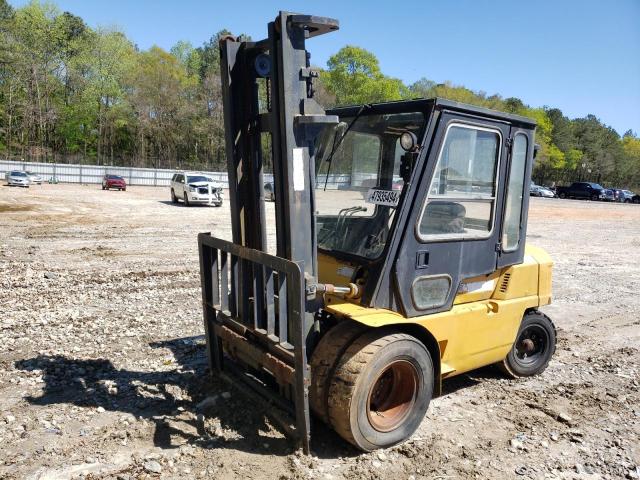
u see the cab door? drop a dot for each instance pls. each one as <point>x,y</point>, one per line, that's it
<point>516,198</point>
<point>454,229</point>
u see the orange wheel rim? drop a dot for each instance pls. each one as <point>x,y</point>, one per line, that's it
<point>392,396</point>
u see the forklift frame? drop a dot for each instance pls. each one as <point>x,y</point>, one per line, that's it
<point>264,311</point>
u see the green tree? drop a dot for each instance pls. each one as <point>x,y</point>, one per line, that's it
<point>159,86</point>
<point>354,77</point>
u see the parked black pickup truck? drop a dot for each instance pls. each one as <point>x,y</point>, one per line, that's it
<point>587,190</point>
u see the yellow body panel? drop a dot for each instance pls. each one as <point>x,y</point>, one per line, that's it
<point>334,271</point>
<point>483,323</point>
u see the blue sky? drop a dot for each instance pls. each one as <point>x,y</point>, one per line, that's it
<point>582,56</point>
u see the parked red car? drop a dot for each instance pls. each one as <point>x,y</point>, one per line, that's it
<point>113,181</point>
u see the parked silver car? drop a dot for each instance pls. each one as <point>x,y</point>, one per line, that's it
<point>34,178</point>
<point>18,178</point>
<point>539,191</point>
<point>627,196</point>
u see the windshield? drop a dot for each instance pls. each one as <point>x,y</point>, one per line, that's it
<point>198,178</point>
<point>358,188</point>
<point>18,174</point>
<point>114,177</point>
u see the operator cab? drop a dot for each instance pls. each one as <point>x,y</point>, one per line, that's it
<point>442,182</point>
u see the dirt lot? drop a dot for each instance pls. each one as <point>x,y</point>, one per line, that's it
<point>102,364</point>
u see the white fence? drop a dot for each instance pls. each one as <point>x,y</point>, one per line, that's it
<point>93,173</point>
<point>66,173</point>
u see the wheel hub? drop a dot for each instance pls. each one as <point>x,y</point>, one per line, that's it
<point>532,344</point>
<point>392,396</point>
<point>527,345</point>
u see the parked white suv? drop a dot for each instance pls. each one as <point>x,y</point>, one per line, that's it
<point>195,187</point>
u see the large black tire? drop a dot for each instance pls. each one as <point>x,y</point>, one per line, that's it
<point>174,199</point>
<point>186,200</point>
<point>324,360</point>
<point>534,346</point>
<point>562,195</point>
<point>636,200</point>
<point>380,390</point>
<point>594,198</point>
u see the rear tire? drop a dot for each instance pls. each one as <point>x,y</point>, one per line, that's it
<point>562,195</point>
<point>324,360</point>
<point>380,390</point>
<point>534,346</point>
<point>594,198</point>
<point>174,199</point>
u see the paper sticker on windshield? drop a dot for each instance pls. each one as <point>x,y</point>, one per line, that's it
<point>383,197</point>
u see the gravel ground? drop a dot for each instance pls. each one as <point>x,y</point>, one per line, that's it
<point>103,371</point>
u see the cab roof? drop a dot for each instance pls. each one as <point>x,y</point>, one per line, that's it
<point>421,104</point>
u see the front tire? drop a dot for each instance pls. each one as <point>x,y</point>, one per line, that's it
<point>563,195</point>
<point>594,198</point>
<point>186,200</point>
<point>380,390</point>
<point>324,360</point>
<point>534,346</point>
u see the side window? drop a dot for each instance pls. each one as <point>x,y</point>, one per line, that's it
<point>462,194</point>
<point>515,194</point>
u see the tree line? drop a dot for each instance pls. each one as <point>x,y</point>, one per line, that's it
<point>71,93</point>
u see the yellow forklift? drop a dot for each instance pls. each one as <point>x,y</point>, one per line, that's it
<point>400,247</point>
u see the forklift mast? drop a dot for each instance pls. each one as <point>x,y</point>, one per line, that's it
<point>246,290</point>
<point>292,118</point>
